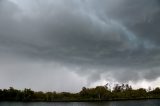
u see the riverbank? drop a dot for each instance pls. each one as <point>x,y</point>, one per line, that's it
<point>100,93</point>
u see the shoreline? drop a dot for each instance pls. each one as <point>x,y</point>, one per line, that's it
<point>98,94</point>
<point>109,100</point>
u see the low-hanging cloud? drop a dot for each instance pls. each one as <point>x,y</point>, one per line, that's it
<point>92,39</point>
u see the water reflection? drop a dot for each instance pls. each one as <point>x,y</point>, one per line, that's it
<point>110,103</point>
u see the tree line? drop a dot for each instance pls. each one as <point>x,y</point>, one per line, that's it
<point>99,93</point>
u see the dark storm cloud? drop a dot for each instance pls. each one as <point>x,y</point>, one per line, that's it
<point>110,36</point>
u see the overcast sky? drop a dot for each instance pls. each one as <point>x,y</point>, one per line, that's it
<point>63,45</point>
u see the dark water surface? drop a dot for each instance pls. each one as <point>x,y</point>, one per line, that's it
<point>110,103</point>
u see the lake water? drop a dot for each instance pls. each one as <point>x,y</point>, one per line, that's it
<point>111,103</point>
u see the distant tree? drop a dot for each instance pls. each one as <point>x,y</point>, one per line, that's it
<point>123,91</point>
<point>27,94</point>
